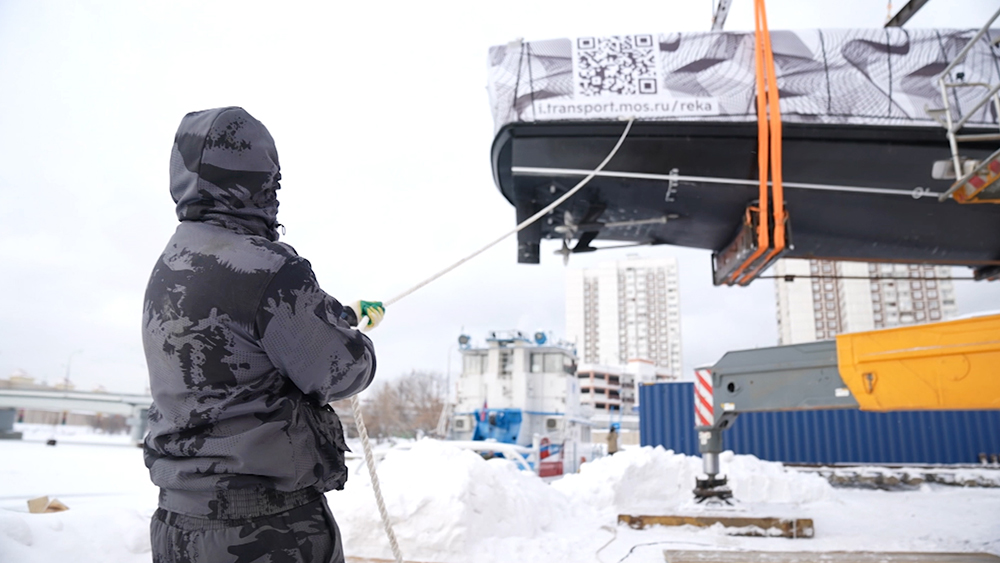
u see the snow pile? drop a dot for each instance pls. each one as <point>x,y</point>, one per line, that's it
<point>82,534</point>
<point>106,487</point>
<point>445,501</point>
<point>449,504</point>
<point>635,481</point>
<point>657,481</point>
<point>756,481</point>
<point>980,477</point>
<point>908,477</point>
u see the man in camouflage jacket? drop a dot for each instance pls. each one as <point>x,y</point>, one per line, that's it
<point>244,352</point>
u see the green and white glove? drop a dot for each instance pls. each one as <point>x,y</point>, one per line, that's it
<point>374,310</point>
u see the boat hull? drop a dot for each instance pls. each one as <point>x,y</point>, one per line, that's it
<point>868,192</point>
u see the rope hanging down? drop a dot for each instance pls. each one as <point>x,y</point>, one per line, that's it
<point>356,403</point>
<point>370,462</point>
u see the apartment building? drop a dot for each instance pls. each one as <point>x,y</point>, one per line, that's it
<point>818,299</point>
<point>626,310</point>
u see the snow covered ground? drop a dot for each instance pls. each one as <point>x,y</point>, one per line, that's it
<point>450,505</point>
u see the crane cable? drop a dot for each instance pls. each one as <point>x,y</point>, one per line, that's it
<point>359,421</point>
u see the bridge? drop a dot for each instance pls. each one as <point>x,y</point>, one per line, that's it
<point>132,406</point>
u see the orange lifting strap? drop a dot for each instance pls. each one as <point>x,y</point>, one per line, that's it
<point>768,143</point>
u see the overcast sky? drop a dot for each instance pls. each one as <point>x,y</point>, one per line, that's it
<point>382,124</point>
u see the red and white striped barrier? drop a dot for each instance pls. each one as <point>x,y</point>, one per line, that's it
<point>703,411</point>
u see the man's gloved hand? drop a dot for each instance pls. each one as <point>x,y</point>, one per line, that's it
<point>374,310</point>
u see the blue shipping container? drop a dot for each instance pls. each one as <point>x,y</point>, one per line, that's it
<point>666,418</point>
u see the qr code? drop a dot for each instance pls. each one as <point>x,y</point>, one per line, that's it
<point>619,64</point>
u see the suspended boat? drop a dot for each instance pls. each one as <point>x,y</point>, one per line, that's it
<point>865,157</point>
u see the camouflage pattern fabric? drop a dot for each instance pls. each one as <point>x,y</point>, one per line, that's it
<point>244,349</point>
<point>307,534</point>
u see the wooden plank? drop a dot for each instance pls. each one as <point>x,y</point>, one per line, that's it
<point>824,557</point>
<point>740,526</point>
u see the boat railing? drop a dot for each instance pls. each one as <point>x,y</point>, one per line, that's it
<point>963,171</point>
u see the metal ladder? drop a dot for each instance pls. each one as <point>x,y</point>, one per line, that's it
<point>976,181</point>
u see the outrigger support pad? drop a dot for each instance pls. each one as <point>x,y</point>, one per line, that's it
<point>716,488</point>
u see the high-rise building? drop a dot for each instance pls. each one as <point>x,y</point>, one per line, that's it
<point>836,297</point>
<point>626,310</point>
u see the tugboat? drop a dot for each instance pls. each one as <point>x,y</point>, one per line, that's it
<point>523,393</point>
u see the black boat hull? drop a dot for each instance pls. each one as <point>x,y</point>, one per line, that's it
<point>872,199</point>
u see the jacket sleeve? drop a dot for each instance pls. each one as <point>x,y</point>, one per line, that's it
<point>301,330</point>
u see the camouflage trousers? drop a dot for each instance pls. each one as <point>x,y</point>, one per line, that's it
<point>304,534</point>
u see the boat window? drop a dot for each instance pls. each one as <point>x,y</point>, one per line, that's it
<point>537,362</point>
<point>506,362</point>
<point>471,365</point>
<point>553,363</point>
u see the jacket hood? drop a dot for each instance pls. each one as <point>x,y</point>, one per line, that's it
<point>224,170</point>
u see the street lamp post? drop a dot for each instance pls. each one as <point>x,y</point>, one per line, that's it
<point>442,428</point>
<point>69,363</point>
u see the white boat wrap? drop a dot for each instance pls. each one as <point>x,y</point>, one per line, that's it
<point>854,76</point>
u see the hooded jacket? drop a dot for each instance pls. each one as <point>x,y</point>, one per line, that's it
<point>244,349</point>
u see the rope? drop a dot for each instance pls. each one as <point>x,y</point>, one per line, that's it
<point>356,403</point>
<point>614,536</point>
<point>526,222</point>
<point>370,462</point>
<point>915,193</point>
